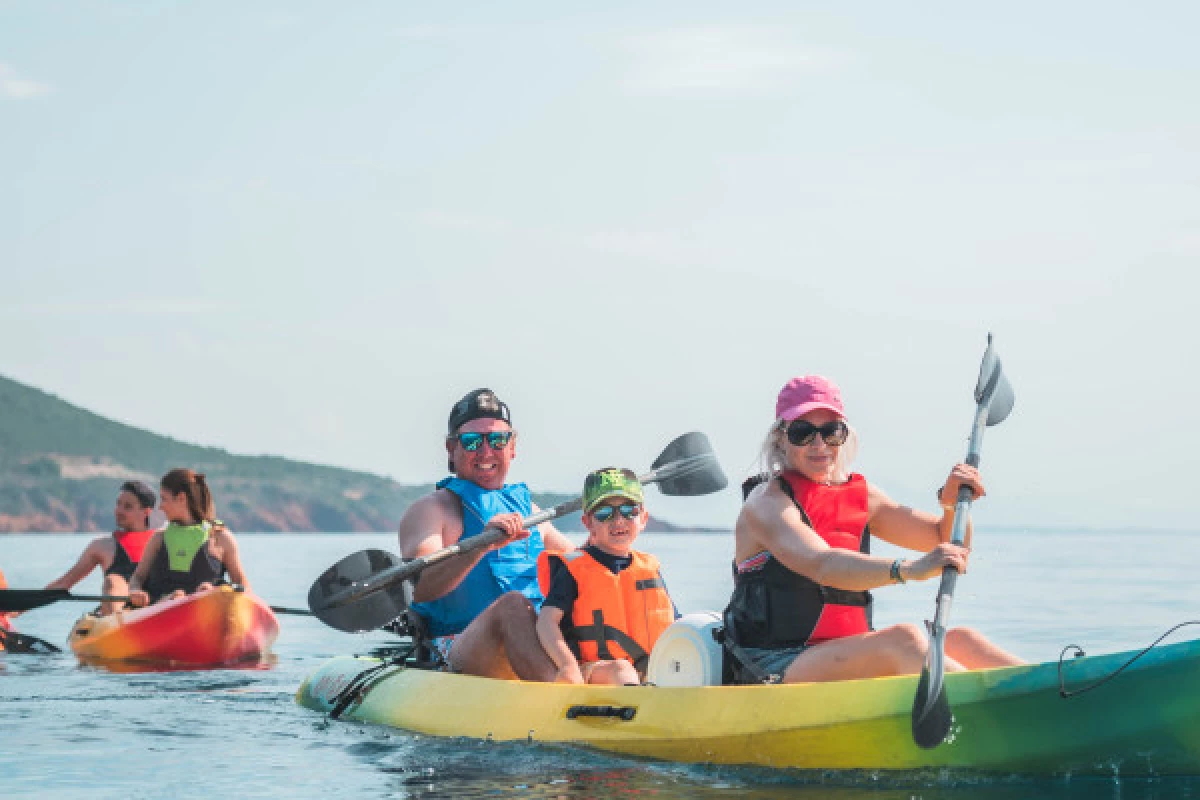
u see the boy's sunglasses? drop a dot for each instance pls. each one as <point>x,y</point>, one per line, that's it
<point>605,513</point>
<point>497,440</point>
<point>802,432</point>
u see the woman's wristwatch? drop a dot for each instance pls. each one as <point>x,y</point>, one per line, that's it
<point>895,572</point>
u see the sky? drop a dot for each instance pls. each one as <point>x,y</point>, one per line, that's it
<point>307,229</point>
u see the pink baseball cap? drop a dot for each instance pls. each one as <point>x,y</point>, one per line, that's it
<point>805,393</point>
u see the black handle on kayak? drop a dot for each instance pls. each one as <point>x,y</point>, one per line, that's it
<point>625,713</point>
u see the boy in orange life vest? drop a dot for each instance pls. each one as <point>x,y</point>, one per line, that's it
<point>606,604</point>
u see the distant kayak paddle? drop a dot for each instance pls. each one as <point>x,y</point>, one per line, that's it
<point>13,642</point>
<point>29,599</point>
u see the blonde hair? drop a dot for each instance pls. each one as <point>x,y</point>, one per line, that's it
<point>772,457</point>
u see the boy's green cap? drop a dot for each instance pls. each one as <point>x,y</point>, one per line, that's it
<point>610,482</point>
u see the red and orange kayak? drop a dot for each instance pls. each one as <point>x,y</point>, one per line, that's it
<point>5,625</point>
<point>216,628</point>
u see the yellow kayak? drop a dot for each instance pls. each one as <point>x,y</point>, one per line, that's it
<point>1007,720</point>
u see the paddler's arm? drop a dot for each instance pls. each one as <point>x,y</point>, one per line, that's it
<point>91,557</point>
<point>137,595</point>
<point>434,523</point>
<point>919,530</point>
<point>550,635</point>
<point>231,559</point>
<point>554,540</point>
<point>770,521</point>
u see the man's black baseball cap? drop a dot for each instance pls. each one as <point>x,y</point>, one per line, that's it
<point>479,404</point>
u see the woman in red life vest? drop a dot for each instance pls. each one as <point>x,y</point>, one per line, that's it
<point>118,554</point>
<point>801,605</point>
<point>606,604</point>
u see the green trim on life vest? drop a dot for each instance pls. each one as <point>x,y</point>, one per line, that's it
<point>182,542</point>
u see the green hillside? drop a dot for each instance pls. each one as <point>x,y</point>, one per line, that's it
<point>60,467</point>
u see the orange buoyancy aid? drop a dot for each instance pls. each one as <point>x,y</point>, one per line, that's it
<point>615,615</point>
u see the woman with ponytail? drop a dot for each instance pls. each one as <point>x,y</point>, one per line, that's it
<point>195,550</point>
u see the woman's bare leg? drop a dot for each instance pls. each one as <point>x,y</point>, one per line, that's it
<point>898,650</point>
<point>969,647</point>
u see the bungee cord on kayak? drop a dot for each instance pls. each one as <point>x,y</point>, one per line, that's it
<point>1079,653</point>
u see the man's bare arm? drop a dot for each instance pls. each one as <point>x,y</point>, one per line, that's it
<point>91,557</point>
<point>430,524</point>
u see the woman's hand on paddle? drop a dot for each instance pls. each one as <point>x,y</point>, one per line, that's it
<point>961,475</point>
<point>931,564</point>
<point>138,598</point>
<point>510,526</point>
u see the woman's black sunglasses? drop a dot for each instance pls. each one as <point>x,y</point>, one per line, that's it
<point>801,432</point>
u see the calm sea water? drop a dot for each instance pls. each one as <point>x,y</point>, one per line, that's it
<point>73,731</point>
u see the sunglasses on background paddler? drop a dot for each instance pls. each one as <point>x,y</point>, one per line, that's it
<point>801,432</point>
<point>626,510</point>
<point>497,440</point>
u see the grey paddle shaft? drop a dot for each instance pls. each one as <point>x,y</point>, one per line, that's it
<point>931,715</point>
<point>962,511</point>
<point>410,569</point>
<point>488,539</point>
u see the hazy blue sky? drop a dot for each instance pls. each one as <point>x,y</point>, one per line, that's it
<point>308,228</point>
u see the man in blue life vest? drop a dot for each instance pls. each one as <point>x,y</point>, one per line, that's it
<point>480,609</point>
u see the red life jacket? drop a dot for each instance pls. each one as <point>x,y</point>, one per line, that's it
<point>133,543</point>
<point>838,513</point>
<point>773,607</point>
<point>614,616</point>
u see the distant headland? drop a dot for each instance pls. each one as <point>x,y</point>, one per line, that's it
<point>61,465</point>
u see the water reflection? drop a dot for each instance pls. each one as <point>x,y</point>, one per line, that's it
<point>423,767</point>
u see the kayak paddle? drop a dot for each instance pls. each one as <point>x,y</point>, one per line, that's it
<point>366,590</point>
<point>931,716</point>
<point>13,642</point>
<point>29,599</point>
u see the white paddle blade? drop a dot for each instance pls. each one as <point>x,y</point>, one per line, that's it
<point>993,388</point>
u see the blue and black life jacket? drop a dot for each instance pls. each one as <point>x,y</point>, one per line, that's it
<point>508,569</point>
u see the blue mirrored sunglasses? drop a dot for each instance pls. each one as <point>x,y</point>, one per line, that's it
<point>497,440</point>
<point>627,510</point>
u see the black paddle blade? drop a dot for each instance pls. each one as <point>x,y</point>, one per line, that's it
<point>689,467</point>
<point>931,716</point>
<point>29,599</point>
<point>366,613</point>
<point>13,642</point>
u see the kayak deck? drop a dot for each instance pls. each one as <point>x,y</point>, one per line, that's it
<point>221,627</point>
<point>1009,720</point>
